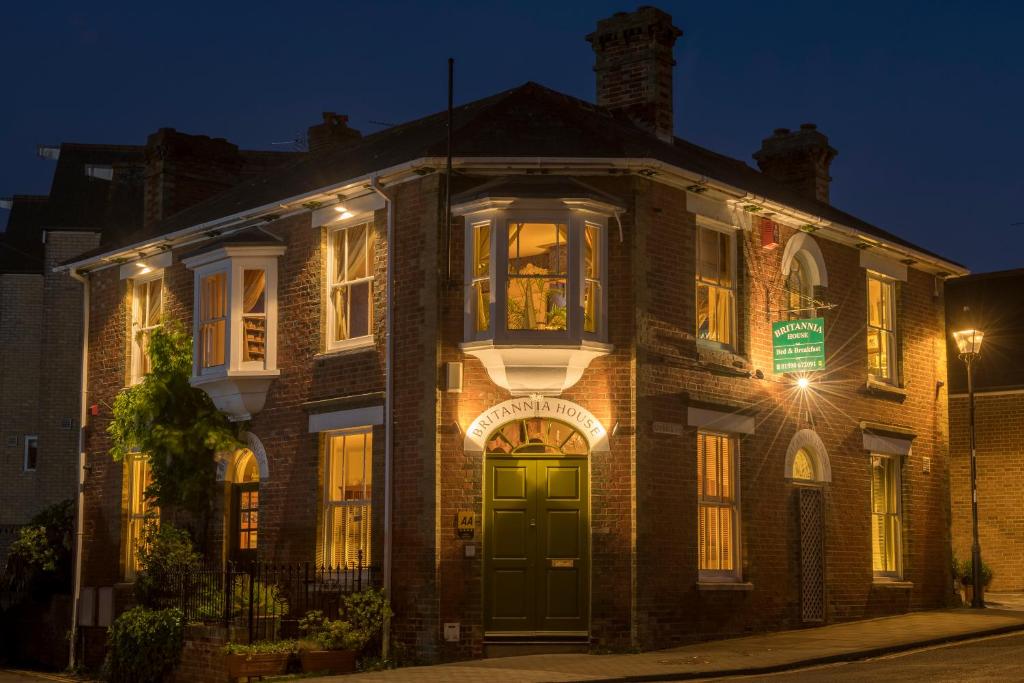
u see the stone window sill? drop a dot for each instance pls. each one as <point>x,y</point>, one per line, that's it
<point>349,346</point>
<point>724,586</point>
<point>878,387</point>
<point>892,583</point>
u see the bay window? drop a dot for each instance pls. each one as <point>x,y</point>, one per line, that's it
<point>235,335</point>
<point>716,286</point>
<point>535,287</point>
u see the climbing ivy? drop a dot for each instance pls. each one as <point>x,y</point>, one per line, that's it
<point>176,425</point>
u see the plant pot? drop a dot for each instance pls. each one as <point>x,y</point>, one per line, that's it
<point>269,664</point>
<point>331,661</point>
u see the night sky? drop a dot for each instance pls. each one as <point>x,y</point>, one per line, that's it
<point>923,100</point>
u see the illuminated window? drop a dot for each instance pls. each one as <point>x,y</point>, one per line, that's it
<point>538,266</point>
<point>140,510</point>
<point>799,293</point>
<point>348,493</point>
<point>350,285</point>
<point>803,466</point>
<point>536,274</point>
<point>881,328</point>
<point>235,328</point>
<point>886,527</point>
<point>481,277</point>
<point>213,314</point>
<point>717,479</point>
<point>716,284</point>
<point>147,309</point>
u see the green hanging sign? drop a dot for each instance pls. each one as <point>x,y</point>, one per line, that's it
<point>798,345</point>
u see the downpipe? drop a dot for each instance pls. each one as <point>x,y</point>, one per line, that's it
<point>80,494</point>
<point>389,440</point>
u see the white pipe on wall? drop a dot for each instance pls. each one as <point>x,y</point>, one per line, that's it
<point>80,495</point>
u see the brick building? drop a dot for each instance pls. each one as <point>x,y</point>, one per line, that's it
<point>556,417</point>
<point>995,307</point>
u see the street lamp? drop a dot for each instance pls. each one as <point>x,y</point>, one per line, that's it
<point>968,342</point>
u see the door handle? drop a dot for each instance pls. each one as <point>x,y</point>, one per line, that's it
<point>533,522</point>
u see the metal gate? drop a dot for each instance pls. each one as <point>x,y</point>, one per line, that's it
<point>812,555</point>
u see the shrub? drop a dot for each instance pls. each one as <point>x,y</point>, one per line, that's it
<point>166,556</point>
<point>261,647</point>
<point>266,598</point>
<point>366,612</point>
<point>40,558</point>
<point>144,645</point>
<point>328,634</point>
<point>967,573</point>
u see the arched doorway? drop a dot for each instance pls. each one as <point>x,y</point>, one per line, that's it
<point>244,516</point>
<point>808,468</point>
<point>536,529</point>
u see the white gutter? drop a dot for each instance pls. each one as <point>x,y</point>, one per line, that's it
<point>663,172</point>
<point>80,494</point>
<point>389,388</point>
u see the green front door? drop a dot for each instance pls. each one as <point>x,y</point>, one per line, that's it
<point>536,557</point>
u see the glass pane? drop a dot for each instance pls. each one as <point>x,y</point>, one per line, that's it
<point>591,261</point>
<point>724,260</point>
<point>254,294</point>
<point>803,468</point>
<point>358,263</point>
<point>879,303</point>
<point>726,541</point>
<point>591,306</point>
<point>724,448</point>
<point>359,310</point>
<point>703,322</point>
<point>354,463</point>
<point>254,334</point>
<point>213,343</point>
<point>336,469</point>
<point>338,256</point>
<point>348,536</point>
<point>339,300</point>
<point>714,314</point>
<point>482,304</point>
<point>537,303</point>
<point>707,255</point>
<point>482,250</point>
<point>154,296</point>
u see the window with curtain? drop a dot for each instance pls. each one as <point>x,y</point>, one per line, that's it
<point>715,286</point>
<point>31,455</point>
<point>350,314</point>
<point>592,295</point>
<point>717,481</point>
<point>147,309</point>
<point>348,494</point>
<point>213,317</point>
<point>254,316</point>
<point>886,527</point>
<point>140,511</point>
<point>481,277</point>
<point>881,328</point>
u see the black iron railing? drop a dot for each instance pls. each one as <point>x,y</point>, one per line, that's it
<point>268,600</point>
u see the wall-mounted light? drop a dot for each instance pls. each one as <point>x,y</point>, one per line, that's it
<point>143,267</point>
<point>803,382</point>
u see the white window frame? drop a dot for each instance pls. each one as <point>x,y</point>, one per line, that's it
<point>895,574</point>
<point>32,439</point>
<point>138,350</point>
<point>234,261</point>
<point>731,232</point>
<point>330,317</point>
<point>575,215</point>
<point>735,574</point>
<point>892,334</point>
<point>329,505</point>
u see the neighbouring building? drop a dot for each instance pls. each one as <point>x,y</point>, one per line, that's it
<point>556,417</point>
<point>996,307</point>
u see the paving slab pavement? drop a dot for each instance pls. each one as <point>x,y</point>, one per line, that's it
<point>749,655</point>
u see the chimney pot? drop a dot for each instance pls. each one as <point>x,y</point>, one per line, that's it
<point>808,126</point>
<point>331,132</point>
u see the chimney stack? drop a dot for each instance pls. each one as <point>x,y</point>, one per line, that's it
<point>799,160</point>
<point>634,67</point>
<point>332,132</point>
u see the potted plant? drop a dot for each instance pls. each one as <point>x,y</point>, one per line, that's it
<point>333,644</point>
<point>262,658</point>
<point>328,645</point>
<point>967,580</point>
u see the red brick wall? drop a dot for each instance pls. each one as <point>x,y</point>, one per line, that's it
<point>643,491</point>
<point>999,424</point>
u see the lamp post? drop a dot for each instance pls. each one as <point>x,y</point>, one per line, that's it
<point>968,342</point>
